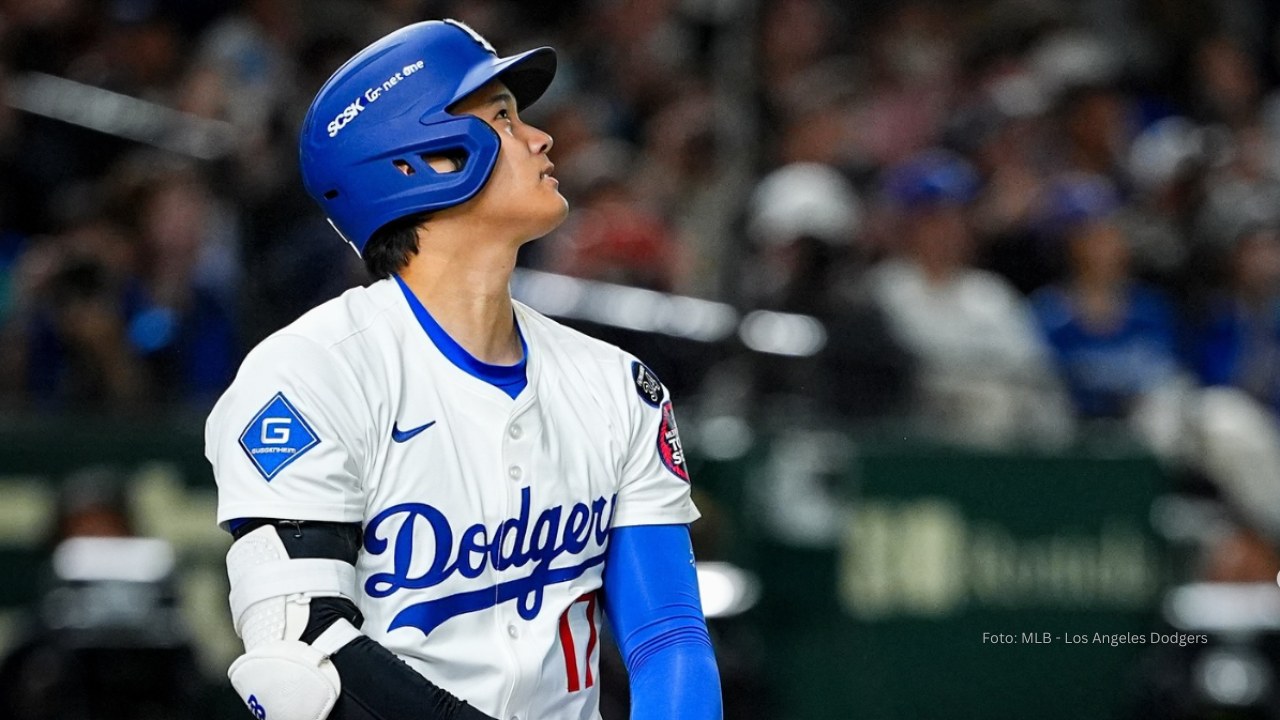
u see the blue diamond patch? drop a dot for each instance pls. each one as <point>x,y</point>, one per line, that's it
<point>277,436</point>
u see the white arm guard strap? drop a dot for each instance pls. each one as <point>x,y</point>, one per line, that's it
<point>270,604</point>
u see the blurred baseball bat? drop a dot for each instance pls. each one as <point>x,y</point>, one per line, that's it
<point>120,115</point>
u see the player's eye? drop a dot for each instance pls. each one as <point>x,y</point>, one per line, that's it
<point>504,114</point>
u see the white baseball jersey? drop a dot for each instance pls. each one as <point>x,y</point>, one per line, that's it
<point>485,519</point>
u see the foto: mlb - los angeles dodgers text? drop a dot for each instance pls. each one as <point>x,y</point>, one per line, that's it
<point>1112,639</point>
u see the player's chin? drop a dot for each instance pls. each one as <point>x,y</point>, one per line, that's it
<point>549,216</point>
<point>557,210</point>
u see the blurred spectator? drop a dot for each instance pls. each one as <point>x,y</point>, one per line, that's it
<point>683,175</point>
<point>1096,128</point>
<point>1242,191</point>
<point>610,237</point>
<point>911,83</point>
<point>1226,82</point>
<point>180,303</point>
<point>253,52</point>
<point>804,220</point>
<point>1113,338</point>
<point>1080,74</point>
<point>985,375</point>
<point>794,36</point>
<point>138,52</point>
<point>1239,342</point>
<point>91,502</point>
<point>105,639</point>
<point>111,315</point>
<point>1003,131</point>
<point>1168,163</point>
<point>805,225</point>
<point>69,343</point>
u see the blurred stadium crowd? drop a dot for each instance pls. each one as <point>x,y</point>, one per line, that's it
<point>1017,220</point>
<point>1014,217</point>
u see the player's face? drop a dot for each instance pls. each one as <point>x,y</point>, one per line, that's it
<point>521,196</point>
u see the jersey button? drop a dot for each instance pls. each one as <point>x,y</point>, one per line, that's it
<point>513,631</point>
<point>515,472</point>
<point>515,432</point>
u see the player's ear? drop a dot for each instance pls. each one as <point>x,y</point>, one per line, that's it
<point>441,164</point>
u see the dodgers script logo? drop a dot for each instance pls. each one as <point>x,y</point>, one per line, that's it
<point>512,544</point>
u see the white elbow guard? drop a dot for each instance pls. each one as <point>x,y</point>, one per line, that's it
<point>280,676</point>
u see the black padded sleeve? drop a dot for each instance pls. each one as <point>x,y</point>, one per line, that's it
<point>311,539</point>
<point>376,684</point>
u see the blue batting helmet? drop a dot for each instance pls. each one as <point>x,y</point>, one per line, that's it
<point>373,125</point>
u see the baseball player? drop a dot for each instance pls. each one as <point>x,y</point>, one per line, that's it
<point>438,494</point>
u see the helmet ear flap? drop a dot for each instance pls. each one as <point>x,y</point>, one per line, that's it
<point>458,156</point>
<point>447,166</point>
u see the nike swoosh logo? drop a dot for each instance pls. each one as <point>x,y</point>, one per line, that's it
<point>406,435</point>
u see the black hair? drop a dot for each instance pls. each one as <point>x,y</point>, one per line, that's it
<point>392,246</point>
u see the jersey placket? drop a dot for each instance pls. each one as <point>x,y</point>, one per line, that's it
<point>519,443</point>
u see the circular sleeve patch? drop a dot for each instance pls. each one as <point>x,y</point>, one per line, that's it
<point>647,384</point>
<point>669,447</point>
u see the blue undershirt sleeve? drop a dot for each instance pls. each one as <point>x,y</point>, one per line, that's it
<point>652,605</point>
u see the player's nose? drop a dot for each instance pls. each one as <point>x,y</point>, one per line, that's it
<point>540,141</point>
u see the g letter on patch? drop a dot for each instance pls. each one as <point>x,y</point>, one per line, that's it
<point>277,436</point>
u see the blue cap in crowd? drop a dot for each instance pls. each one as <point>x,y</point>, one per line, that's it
<point>930,178</point>
<point>1075,199</point>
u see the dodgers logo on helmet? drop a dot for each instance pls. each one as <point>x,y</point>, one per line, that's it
<point>371,129</point>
